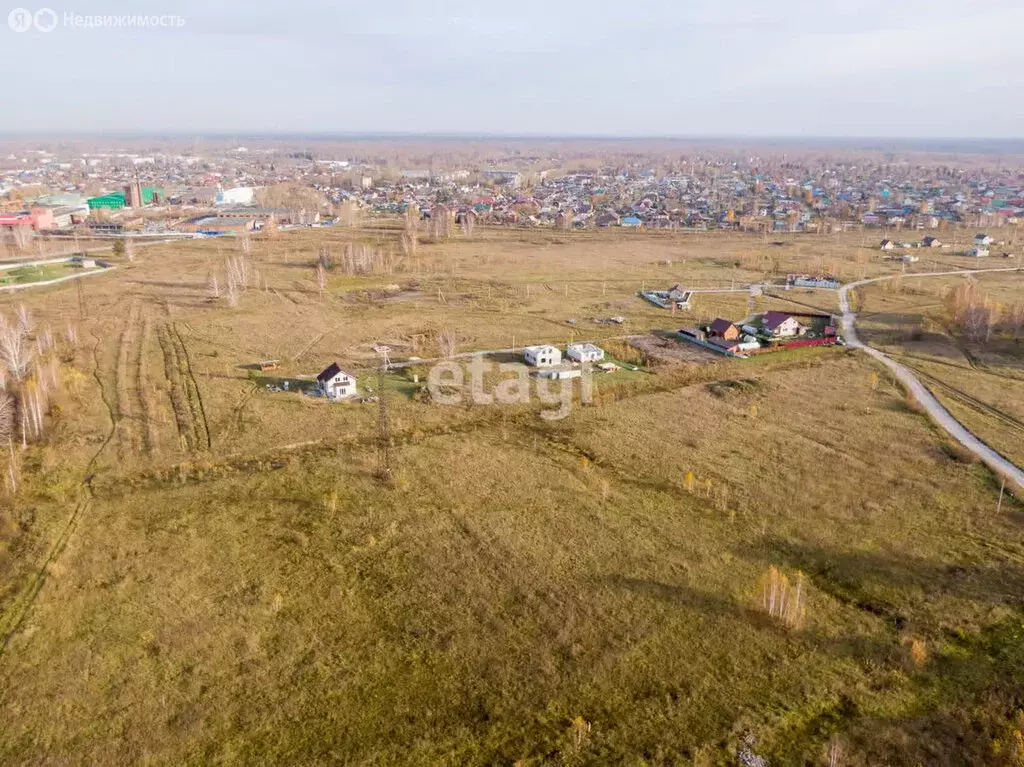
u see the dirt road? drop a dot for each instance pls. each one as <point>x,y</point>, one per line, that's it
<point>958,431</point>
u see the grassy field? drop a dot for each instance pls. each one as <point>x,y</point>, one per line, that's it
<point>981,383</point>
<point>24,275</point>
<point>198,570</point>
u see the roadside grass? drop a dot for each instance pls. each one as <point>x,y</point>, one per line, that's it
<point>981,384</point>
<point>1004,439</point>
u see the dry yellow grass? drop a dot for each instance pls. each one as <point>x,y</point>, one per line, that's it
<point>235,585</point>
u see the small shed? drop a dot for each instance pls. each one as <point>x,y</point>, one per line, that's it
<point>559,373</point>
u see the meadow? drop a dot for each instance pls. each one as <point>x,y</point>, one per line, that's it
<point>980,381</point>
<point>196,569</point>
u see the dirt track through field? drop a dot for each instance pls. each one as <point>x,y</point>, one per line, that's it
<point>178,379</point>
<point>998,463</point>
<point>195,394</point>
<point>127,404</point>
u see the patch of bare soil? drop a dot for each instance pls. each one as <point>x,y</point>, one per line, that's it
<point>666,350</point>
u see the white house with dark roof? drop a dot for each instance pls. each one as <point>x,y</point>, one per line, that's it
<point>781,325</point>
<point>335,383</point>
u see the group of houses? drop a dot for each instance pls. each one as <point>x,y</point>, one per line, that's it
<point>979,250</point>
<point>927,242</point>
<point>769,331</point>
<point>549,363</point>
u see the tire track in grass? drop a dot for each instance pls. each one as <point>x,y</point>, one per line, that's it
<point>1005,418</point>
<point>128,441</point>
<point>141,383</point>
<point>179,402</point>
<point>195,395</point>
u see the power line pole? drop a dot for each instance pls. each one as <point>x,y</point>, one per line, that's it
<point>81,300</point>
<point>384,468</point>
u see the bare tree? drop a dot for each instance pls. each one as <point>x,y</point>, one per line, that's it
<point>129,250</point>
<point>1016,320</point>
<point>44,342</point>
<point>15,349</point>
<point>440,221</point>
<point>780,599</point>
<point>25,321</point>
<point>7,411</point>
<point>32,405</point>
<point>994,313</point>
<point>213,286</point>
<point>446,343</point>
<point>6,415</point>
<point>239,278</point>
<point>23,236</point>
<point>232,289</point>
<point>245,243</point>
<point>348,213</point>
<point>321,279</point>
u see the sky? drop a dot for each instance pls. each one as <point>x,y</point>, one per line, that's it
<point>876,68</point>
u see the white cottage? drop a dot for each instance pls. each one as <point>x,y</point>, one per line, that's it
<point>542,356</point>
<point>584,353</point>
<point>335,383</point>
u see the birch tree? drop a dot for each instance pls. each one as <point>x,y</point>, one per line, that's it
<point>7,408</point>
<point>15,349</point>
<point>321,279</point>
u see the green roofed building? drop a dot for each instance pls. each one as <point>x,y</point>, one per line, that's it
<point>112,201</point>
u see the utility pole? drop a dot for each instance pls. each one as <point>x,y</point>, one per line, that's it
<point>81,300</point>
<point>384,468</point>
<point>1002,489</point>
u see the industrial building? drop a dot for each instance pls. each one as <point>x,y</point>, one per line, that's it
<point>239,195</point>
<point>112,201</point>
<point>133,195</point>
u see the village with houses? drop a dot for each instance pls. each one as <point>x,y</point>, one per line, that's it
<point>978,247</point>
<point>757,333</point>
<point>235,188</point>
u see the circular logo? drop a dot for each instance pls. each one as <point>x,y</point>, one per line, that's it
<point>45,20</point>
<point>20,20</point>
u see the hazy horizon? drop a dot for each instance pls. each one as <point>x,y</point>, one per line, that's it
<point>872,70</point>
